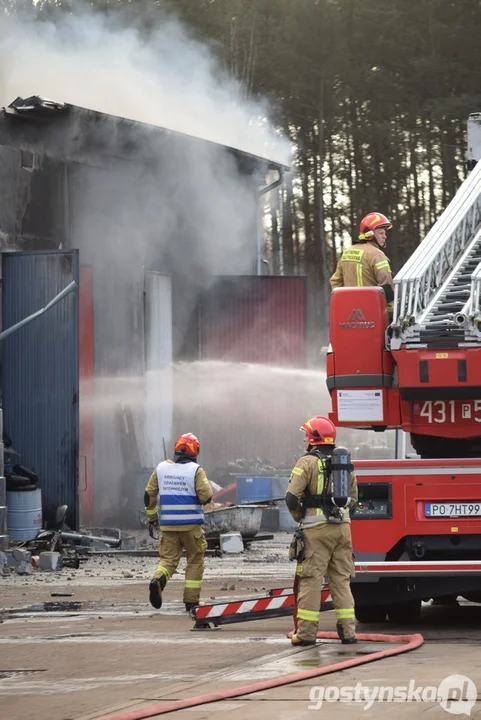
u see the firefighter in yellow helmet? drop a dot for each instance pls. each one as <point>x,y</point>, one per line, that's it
<point>174,496</point>
<point>325,525</point>
<point>366,263</point>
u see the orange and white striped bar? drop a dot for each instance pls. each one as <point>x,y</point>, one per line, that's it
<point>279,604</point>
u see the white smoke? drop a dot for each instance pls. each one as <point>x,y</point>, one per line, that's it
<point>169,79</point>
<point>181,208</point>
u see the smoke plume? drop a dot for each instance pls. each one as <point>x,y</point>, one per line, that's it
<point>180,208</point>
<point>163,77</point>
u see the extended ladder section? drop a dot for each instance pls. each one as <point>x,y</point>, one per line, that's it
<point>474,306</point>
<point>437,294</point>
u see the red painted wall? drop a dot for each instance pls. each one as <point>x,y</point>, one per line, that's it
<point>256,320</point>
<point>250,395</point>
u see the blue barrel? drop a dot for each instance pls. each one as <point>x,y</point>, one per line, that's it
<point>24,514</point>
<point>252,489</point>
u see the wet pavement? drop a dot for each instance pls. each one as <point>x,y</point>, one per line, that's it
<point>84,666</point>
<point>83,647</point>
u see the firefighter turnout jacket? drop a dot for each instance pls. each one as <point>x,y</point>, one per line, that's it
<point>364,264</point>
<point>177,492</point>
<point>327,552</point>
<point>308,478</point>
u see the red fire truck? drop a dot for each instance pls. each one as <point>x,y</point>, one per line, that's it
<point>419,373</point>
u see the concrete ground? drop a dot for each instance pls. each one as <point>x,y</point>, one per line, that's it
<point>84,644</point>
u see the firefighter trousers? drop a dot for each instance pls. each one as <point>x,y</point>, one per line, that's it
<point>328,551</point>
<point>171,544</point>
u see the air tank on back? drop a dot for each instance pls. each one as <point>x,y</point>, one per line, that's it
<point>341,477</point>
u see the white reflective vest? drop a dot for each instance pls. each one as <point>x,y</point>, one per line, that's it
<point>178,501</point>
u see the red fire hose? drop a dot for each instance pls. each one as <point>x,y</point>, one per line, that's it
<point>409,642</point>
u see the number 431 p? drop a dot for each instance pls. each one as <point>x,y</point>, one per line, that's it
<point>441,411</point>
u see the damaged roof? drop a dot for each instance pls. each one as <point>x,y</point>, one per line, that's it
<point>71,131</point>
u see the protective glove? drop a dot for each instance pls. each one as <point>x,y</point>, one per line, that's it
<point>297,548</point>
<point>153,525</point>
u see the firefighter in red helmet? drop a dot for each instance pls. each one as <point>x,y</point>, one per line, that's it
<point>366,263</point>
<point>173,499</point>
<point>324,531</point>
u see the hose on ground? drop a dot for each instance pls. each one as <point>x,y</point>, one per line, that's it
<point>407,643</point>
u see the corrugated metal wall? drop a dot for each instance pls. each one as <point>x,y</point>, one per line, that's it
<point>32,202</point>
<point>87,395</point>
<point>40,371</point>
<point>247,395</point>
<point>158,366</point>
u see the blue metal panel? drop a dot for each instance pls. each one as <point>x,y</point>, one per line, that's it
<point>40,372</point>
<point>252,489</point>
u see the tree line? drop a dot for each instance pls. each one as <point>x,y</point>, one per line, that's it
<point>374,97</point>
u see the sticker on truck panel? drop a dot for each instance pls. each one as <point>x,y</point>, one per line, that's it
<point>360,405</point>
<point>453,509</point>
<point>447,411</point>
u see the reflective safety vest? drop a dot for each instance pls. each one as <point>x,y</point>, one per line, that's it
<point>178,501</point>
<point>364,262</point>
<point>362,265</point>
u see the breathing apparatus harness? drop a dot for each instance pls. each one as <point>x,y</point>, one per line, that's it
<point>335,495</point>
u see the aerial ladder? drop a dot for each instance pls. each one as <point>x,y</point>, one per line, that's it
<point>417,524</point>
<point>418,373</point>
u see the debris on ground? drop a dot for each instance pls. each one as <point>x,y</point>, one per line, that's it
<point>114,567</point>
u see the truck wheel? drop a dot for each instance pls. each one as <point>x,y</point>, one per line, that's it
<point>404,613</point>
<point>371,614</point>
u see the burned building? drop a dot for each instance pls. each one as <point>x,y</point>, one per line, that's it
<point>161,234</point>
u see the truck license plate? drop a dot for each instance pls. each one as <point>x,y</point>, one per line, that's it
<point>453,509</point>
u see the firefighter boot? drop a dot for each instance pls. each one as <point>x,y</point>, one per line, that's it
<point>298,642</point>
<point>155,592</point>
<point>345,640</point>
<point>189,606</point>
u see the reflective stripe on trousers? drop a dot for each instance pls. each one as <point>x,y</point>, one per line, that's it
<point>309,615</point>
<point>345,613</point>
